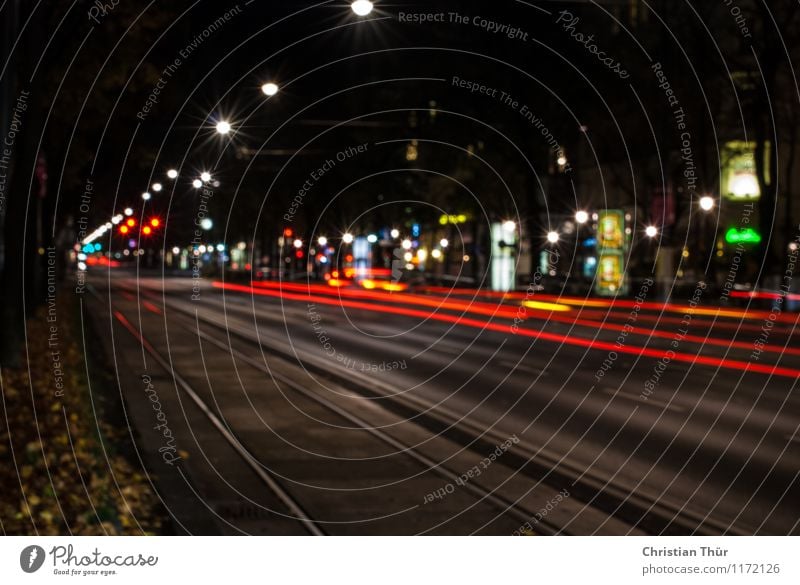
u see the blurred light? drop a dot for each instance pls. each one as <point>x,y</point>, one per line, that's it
<point>509,226</point>
<point>81,266</point>
<point>744,185</point>
<point>172,174</point>
<point>581,217</point>
<point>372,238</point>
<point>206,224</point>
<point>361,7</point>
<point>176,250</point>
<point>552,237</point>
<point>241,245</point>
<point>82,256</point>
<point>223,127</point>
<point>128,211</point>
<point>107,226</point>
<point>298,243</point>
<point>408,256</point>
<point>406,244</point>
<point>706,203</point>
<point>131,222</point>
<point>147,230</point>
<point>155,222</point>
<point>269,89</point>
<point>437,253</point>
<point>651,231</point>
<point>205,176</point>
<point>422,254</point>
<point>157,187</point>
<point>123,229</point>
<point>322,240</point>
<point>197,183</point>
<point>201,248</point>
<point>395,233</point>
<point>444,243</point>
<point>562,160</point>
<point>288,232</point>
<point>347,238</point>
<point>220,247</point>
<point>146,196</point>
<point>116,219</point>
<point>545,306</point>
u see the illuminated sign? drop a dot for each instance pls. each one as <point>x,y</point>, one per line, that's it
<point>742,236</point>
<point>610,272</point>
<point>453,219</point>
<point>739,179</point>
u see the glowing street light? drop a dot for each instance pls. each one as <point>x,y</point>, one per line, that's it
<point>437,253</point>
<point>146,196</point>
<point>128,211</point>
<point>347,238</point>
<point>706,203</point>
<point>406,244</point>
<point>372,238</point>
<point>206,224</point>
<point>362,7</point>
<point>205,176</point>
<point>269,89</point>
<point>552,237</point>
<point>322,240</point>
<point>651,231</point>
<point>509,226</point>
<point>444,242</point>
<point>298,243</point>
<point>197,183</point>
<point>581,217</point>
<point>223,127</point>
<point>172,174</point>
<point>395,233</point>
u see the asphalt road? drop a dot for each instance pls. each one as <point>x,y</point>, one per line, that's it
<point>706,446</point>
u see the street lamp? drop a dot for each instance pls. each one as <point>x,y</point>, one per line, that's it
<point>581,217</point>
<point>651,231</point>
<point>128,211</point>
<point>706,203</point>
<point>406,244</point>
<point>206,223</point>
<point>298,243</point>
<point>347,238</point>
<point>395,233</point>
<point>552,237</point>
<point>362,7</point>
<point>146,196</point>
<point>444,243</point>
<point>509,226</point>
<point>269,89</point>
<point>205,176</point>
<point>197,183</point>
<point>157,187</point>
<point>223,127</point>
<point>172,174</point>
<point>322,240</point>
